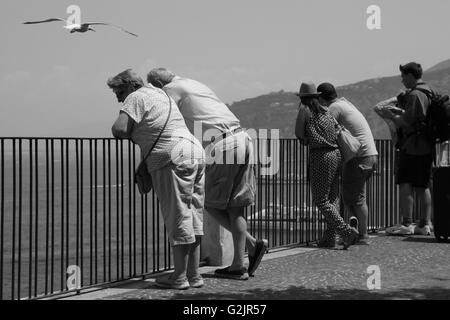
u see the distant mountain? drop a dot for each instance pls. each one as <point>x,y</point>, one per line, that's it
<point>440,66</point>
<point>278,110</point>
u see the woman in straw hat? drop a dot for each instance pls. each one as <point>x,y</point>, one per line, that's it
<point>316,128</point>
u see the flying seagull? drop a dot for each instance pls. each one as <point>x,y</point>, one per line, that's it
<point>80,27</point>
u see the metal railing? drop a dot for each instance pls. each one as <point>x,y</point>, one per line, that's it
<point>72,202</point>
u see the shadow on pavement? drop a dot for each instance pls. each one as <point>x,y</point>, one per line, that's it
<point>301,293</point>
<point>424,240</point>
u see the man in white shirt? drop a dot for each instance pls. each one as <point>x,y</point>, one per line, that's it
<point>229,187</point>
<point>356,171</point>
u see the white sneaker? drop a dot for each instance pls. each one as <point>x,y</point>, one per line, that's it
<point>353,222</point>
<point>401,230</point>
<point>424,231</point>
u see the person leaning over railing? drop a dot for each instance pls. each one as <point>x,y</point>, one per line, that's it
<point>358,170</point>
<point>230,187</point>
<point>315,127</point>
<point>177,167</point>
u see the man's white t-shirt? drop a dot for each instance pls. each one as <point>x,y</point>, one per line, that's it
<point>201,108</point>
<point>353,120</point>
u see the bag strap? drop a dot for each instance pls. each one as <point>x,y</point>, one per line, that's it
<point>339,126</point>
<point>160,133</point>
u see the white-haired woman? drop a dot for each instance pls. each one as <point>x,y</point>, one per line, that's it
<point>177,166</point>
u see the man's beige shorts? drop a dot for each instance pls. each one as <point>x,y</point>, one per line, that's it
<point>230,181</point>
<point>180,189</point>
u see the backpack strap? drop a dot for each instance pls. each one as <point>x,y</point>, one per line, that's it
<point>429,94</point>
<point>420,124</point>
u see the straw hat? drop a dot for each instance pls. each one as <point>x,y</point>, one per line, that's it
<point>307,89</point>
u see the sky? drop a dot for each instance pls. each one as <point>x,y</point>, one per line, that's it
<point>53,83</point>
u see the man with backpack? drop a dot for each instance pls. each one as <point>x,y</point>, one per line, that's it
<point>416,151</point>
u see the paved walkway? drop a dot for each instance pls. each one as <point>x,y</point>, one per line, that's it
<point>410,268</point>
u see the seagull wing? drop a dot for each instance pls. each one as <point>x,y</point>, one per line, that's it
<point>42,21</point>
<point>112,25</point>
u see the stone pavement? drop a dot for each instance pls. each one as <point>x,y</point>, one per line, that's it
<point>415,267</point>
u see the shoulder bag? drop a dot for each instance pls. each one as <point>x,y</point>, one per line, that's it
<point>348,144</point>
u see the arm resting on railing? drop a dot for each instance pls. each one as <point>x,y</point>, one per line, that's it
<point>123,126</point>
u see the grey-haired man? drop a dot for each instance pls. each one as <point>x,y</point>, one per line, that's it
<point>230,187</point>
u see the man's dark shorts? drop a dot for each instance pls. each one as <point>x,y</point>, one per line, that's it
<point>415,170</point>
<point>354,176</point>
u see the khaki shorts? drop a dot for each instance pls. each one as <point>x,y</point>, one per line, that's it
<point>230,180</point>
<point>180,189</point>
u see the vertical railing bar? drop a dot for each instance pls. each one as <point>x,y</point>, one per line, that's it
<point>13,251</point>
<point>19,260</point>
<point>296,204</point>
<point>77,223</point>
<point>30,240</point>
<point>109,212</point>
<point>269,178</point>
<point>273,202</point>
<point>386,190</point>
<point>133,157</point>
<point>62,214</point>
<point>36,216</point>
<point>280,196</point>
<point>289,184</point>
<point>143,253</point>
<point>130,218</point>
<point>2,212</point>
<point>47,213</point>
<point>308,199</point>
<point>104,206</point>
<point>122,249</point>
<point>282,193</point>
<point>52,166</point>
<point>300,190</point>
<point>117,211</point>
<point>146,231</point>
<point>67,202</point>
<point>156,214</point>
<point>91,202</point>
<point>260,189</point>
<point>81,211</point>
<point>95,211</point>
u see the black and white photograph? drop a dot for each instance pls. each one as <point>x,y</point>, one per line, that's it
<point>215,157</point>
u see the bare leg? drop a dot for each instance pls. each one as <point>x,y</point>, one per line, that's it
<point>406,201</point>
<point>222,217</point>
<point>424,196</point>
<point>238,231</point>
<point>180,257</point>
<point>361,212</point>
<point>194,258</point>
